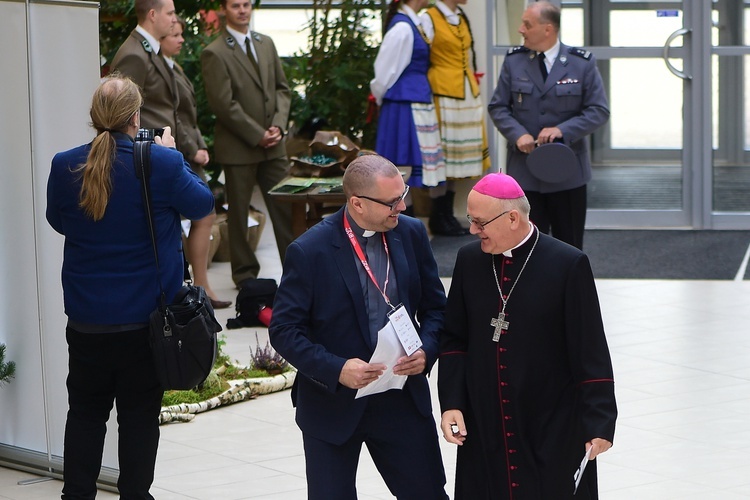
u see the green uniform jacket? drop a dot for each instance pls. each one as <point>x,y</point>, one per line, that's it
<point>246,101</point>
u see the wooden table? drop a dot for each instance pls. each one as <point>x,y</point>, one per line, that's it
<point>312,199</point>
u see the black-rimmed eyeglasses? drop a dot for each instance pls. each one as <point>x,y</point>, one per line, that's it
<point>481,225</point>
<point>392,205</point>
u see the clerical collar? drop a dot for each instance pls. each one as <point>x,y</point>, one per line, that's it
<point>155,45</point>
<point>361,233</point>
<point>450,16</point>
<point>509,253</point>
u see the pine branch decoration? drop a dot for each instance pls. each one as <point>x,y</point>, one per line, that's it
<point>7,370</point>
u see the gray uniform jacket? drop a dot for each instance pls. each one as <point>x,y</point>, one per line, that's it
<point>572,99</point>
<point>246,100</point>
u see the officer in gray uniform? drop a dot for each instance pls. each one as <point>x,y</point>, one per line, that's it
<point>549,92</point>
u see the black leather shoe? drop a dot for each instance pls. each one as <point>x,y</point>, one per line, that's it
<point>220,304</point>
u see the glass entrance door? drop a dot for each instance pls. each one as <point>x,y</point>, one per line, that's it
<point>641,166</point>
<point>730,160</point>
<point>676,150</point>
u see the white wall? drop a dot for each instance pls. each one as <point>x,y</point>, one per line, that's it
<point>48,79</point>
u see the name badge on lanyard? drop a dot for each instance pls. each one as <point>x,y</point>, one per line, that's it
<point>407,334</point>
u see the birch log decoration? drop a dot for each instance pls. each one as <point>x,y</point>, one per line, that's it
<point>240,390</point>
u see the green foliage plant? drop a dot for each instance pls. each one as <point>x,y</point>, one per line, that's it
<point>331,78</point>
<point>7,368</point>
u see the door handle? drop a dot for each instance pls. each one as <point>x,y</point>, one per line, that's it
<point>665,53</point>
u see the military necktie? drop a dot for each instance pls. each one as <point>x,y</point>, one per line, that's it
<point>543,66</point>
<point>250,55</point>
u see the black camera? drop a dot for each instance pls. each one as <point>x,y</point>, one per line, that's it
<point>148,134</point>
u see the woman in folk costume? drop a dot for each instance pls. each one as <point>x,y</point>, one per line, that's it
<point>457,102</point>
<point>408,132</point>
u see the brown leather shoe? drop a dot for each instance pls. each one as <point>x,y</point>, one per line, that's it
<point>220,304</point>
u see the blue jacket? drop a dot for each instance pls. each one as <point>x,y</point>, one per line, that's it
<point>320,320</point>
<point>109,272</point>
<point>572,98</point>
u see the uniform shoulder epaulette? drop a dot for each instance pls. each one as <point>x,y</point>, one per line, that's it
<point>146,46</point>
<point>585,54</point>
<point>517,50</point>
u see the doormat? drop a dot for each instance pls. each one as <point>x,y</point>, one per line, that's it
<point>642,254</point>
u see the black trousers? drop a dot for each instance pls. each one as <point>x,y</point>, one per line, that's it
<point>403,445</point>
<point>563,212</point>
<point>106,368</point>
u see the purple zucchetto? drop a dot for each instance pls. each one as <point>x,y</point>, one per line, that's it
<point>500,186</point>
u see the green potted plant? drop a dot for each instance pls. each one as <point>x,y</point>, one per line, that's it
<point>331,78</point>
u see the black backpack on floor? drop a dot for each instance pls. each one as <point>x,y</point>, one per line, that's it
<point>254,296</point>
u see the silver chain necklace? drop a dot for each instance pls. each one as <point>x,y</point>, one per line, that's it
<point>499,323</point>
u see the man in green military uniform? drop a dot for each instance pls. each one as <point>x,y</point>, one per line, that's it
<point>248,92</point>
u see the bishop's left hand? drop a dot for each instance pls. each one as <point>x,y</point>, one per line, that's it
<point>411,365</point>
<point>599,446</point>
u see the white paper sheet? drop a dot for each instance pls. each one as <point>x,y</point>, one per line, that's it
<point>388,351</point>
<point>579,472</point>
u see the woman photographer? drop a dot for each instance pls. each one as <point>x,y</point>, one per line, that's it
<point>110,285</point>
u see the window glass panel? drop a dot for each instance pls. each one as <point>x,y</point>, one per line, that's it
<point>571,26</point>
<point>288,28</point>
<point>642,28</point>
<point>646,113</point>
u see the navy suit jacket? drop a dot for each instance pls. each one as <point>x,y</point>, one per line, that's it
<point>320,320</point>
<point>572,98</point>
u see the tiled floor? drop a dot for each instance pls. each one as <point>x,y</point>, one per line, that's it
<point>681,353</point>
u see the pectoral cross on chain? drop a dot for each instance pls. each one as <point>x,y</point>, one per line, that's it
<point>500,324</point>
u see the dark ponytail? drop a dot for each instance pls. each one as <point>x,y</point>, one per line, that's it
<point>392,11</point>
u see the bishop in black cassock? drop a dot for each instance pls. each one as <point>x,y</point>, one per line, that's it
<point>529,392</point>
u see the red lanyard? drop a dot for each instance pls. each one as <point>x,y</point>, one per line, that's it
<point>361,255</point>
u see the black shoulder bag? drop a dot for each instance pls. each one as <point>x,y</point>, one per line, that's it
<point>182,334</point>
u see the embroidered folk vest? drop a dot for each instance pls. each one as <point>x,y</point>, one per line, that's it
<point>449,57</point>
<point>412,85</point>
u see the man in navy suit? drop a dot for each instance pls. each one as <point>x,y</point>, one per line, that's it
<point>341,279</point>
<point>549,92</point>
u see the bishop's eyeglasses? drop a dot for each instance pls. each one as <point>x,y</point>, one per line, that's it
<point>393,204</point>
<point>481,225</point>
